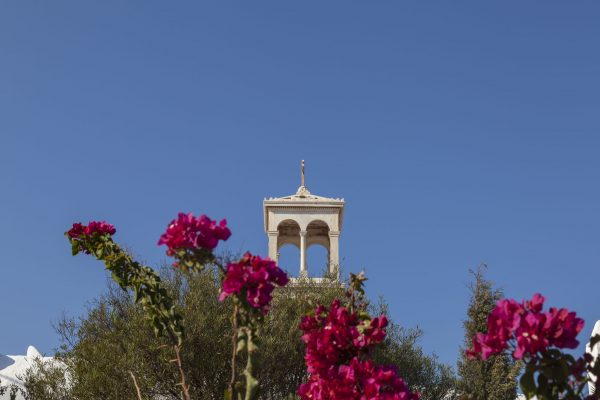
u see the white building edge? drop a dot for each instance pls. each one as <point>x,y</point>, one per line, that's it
<point>13,368</point>
<point>594,352</point>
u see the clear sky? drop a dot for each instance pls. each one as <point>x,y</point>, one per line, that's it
<point>458,133</point>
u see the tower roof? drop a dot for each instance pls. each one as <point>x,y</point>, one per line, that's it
<point>303,195</point>
<point>303,198</point>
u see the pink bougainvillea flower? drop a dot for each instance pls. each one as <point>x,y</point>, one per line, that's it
<point>102,227</point>
<point>360,380</point>
<point>530,335</point>
<point>562,327</point>
<point>337,343</point>
<point>190,232</point>
<point>529,329</point>
<point>255,277</point>
<point>336,335</point>
<point>535,304</point>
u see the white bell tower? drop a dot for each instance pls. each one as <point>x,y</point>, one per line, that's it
<point>304,220</point>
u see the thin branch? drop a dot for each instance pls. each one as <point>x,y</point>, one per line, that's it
<point>185,389</point>
<point>137,387</point>
<point>234,339</point>
<point>251,382</point>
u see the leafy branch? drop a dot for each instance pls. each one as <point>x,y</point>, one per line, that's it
<point>145,284</point>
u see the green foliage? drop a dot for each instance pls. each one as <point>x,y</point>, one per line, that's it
<point>194,260</point>
<point>281,359</point>
<point>11,390</point>
<point>424,373</point>
<point>356,291</point>
<point>555,368</point>
<point>244,344</point>
<point>142,280</point>
<point>53,387</point>
<point>495,378</point>
<point>148,291</point>
<point>555,376</point>
<point>113,340</point>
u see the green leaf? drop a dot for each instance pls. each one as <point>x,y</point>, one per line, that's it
<point>241,346</point>
<point>251,387</point>
<point>527,382</point>
<point>74,247</point>
<point>117,279</point>
<point>252,345</point>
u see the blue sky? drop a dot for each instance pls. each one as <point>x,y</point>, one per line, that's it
<point>458,133</point>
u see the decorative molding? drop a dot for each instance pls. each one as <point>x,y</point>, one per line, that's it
<point>303,191</point>
<point>307,210</point>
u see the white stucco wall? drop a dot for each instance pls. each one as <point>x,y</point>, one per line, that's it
<point>12,368</point>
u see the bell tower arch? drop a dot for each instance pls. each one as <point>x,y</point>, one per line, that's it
<point>304,219</point>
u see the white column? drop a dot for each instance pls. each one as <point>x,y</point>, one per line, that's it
<point>273,253</point>
<point>334,252</point>
<point>303,270</point>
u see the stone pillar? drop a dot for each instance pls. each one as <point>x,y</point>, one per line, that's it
<point>303,269</point>
<point>273,253</point>
<point>334,252</point>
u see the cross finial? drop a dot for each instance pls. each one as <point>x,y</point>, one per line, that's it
<point>302,183</point>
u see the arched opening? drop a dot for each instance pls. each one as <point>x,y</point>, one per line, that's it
<point>317,260</point>
<point>288,246</point>
<point>317,252</point>
<point>289,230</point>
<point>318,228</point>
<point>289,259</point>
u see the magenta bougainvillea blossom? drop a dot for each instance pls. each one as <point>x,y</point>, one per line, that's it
<point>527,328</point>
<point>336,336</point>
<point>360,380</point>
<point>336,341</point>
<point>254,276</point>
<point>190,232</point>
<point>102,227</point>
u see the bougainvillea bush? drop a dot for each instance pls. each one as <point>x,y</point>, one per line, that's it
<point>538,337</point>
<point>338,342</point>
